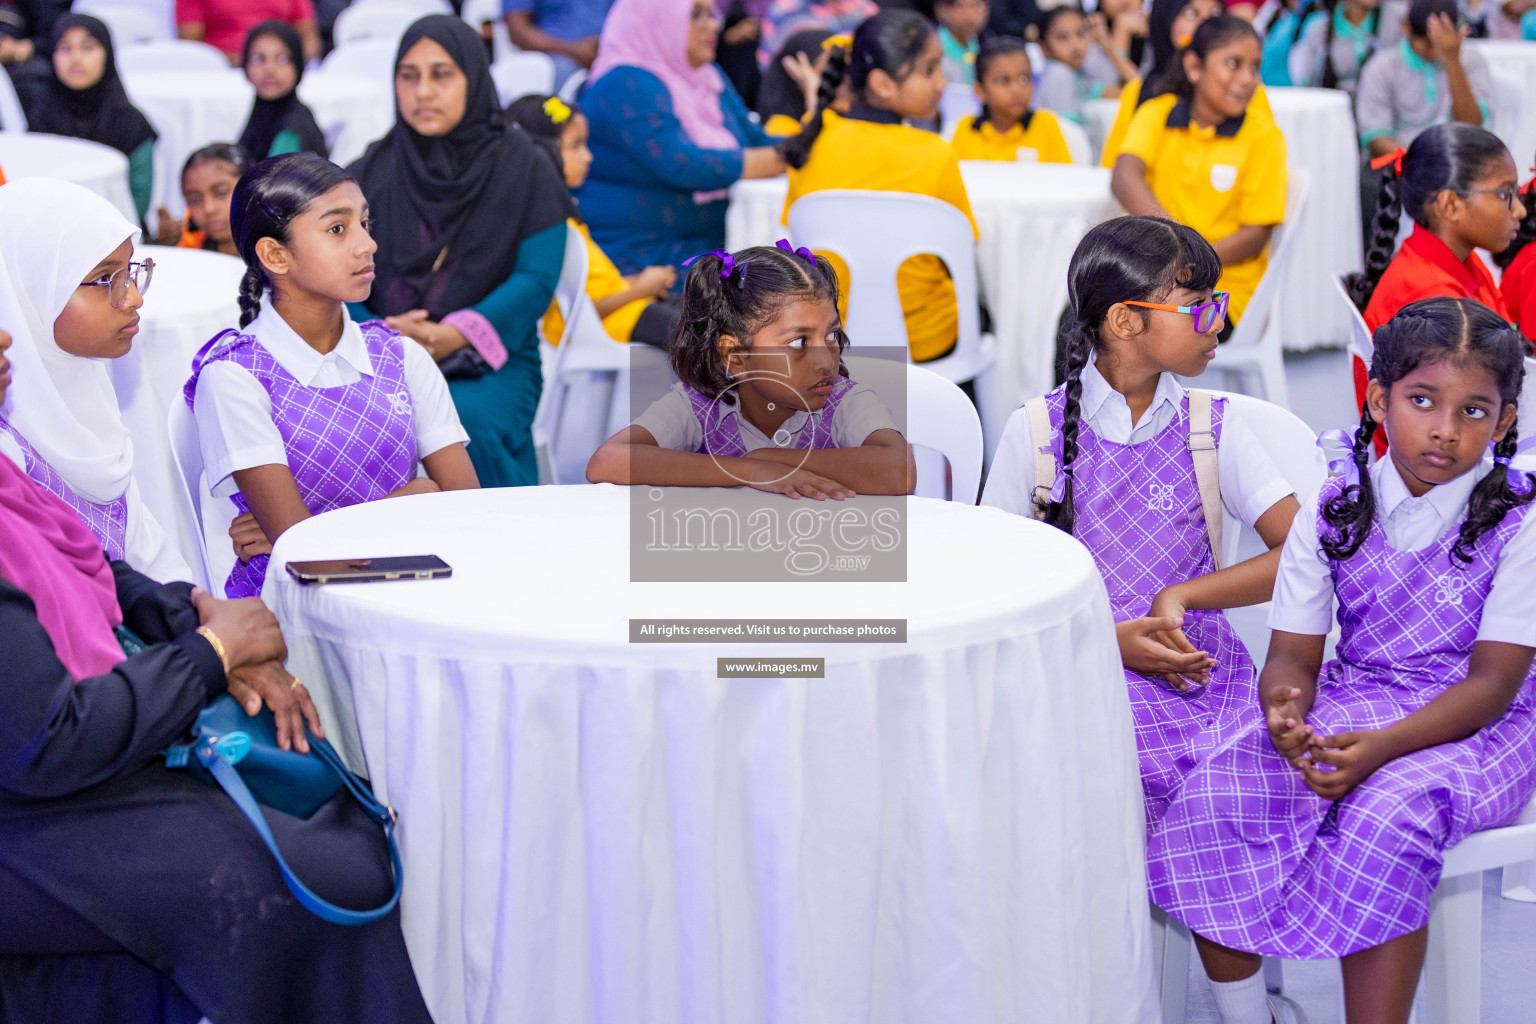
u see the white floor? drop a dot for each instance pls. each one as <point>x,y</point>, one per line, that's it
<point>1323,395</point>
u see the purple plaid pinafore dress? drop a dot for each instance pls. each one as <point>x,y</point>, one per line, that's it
<point>108,522</point>
<point>722,432</point>
<point>1248,856</point>
<point>346,445</point>
<point>1136,508</point>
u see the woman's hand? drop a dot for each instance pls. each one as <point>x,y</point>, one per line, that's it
<point>1146,647</point>
<point>762,162</point>
<point>806,74</point>
<point>247,629</point>
<point>655,282</point>
<point>248,538</point>
<point>744,31</point>
<point>167,228</point>
<point>1287,724</point>
<point>440,340</point>
<point>270,684</point>
<point>780,479</point>
<point>1353,756</point>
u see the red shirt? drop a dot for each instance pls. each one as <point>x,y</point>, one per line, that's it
<point>1425,268</point>
<point>1520,290</point>
<point>225,22</point>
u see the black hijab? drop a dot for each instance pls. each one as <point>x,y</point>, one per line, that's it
<point>464,201</point>
<point>269,118</point>
<point>100,113</point>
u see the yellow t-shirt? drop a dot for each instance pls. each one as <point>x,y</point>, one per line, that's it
<point>603,280</point>
<point>888,156</point>
<point>1115,139</point>
<point>1042,141</point>
<point>1213,179</point>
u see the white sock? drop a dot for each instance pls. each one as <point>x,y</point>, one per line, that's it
<point>1242,1002</point>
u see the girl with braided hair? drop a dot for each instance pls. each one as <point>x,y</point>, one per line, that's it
<point>301,410</point>
<point>1126,484</point>
<point>1318,829</point>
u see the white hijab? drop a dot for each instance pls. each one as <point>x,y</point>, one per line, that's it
<point>55,233</point>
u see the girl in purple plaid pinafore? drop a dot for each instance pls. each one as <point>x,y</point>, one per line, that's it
<point>109,522</point>
<point>722,432</point>
<point>1137,510</point>
<point>346,445</point>
<point>1319,827</point>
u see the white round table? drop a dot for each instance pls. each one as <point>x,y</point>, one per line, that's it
<point>1031,217</point>
<point>1319,129</point>
<point>101,169</point>
<point>191,109</point>
<point>948,829</point>
<point>1517,59</point>
<point>192,297</point>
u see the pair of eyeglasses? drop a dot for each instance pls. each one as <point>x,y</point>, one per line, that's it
<point>1507,196</point>
<point>703,14</point>
<point>1206,314</point>
<point>282,60</point>
<point>137,274</point>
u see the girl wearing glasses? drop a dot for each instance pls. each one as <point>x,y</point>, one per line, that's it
<point>77,293</point>
<point>1144,309</point>
<point>279,122</point>
<point>1459,184</point>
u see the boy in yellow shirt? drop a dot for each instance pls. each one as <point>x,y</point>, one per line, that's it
<point>1007,129</point>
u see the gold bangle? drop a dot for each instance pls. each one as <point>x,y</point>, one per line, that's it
<point>216,644</point>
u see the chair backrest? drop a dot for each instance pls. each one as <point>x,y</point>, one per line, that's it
<point>128,21</point>
<point>1290,443</point>
<point>874,232</point>
<point>518,74</point>
<point>571,299</point>
<point>479,13</point>
<point>958,101</point>
<point>374,60</point>
<point>1360,343</point>
<point>187,454</point>
<point>1251,329</point>
<point>939,418</point>
<point>12,117</point>
<point>1505,110</point>
<point>1526,424</point>
<point>377,21</point>
<point>1077,141</point>
<point>573,85</point>
<point>171,55</point>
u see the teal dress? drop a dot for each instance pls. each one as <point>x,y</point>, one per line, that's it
<point>497,409</point>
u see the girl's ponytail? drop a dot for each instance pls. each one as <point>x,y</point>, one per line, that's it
<point>1079,346</point>
<point>797,149</point>
<point>251,288</point>
<point>1493,497</point>
<point>1383,242</point>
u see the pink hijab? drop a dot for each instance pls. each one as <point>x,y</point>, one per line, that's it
<point>51,555</point>
<point>652,35</point>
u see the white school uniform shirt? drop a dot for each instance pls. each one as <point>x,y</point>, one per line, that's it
<point>671,421</point>
<point>1249,481</point>
<point>234,412</point>
<point>146,546</point>
<point>1304,590</point>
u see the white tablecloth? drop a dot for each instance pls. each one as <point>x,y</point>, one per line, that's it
<point>1031,217</point>
<point>948,830</point>
<point>191,109</point>
<point>192,298</point>
<point>101,169</point>
<point>1319,128</point>
<point>1517,59</point>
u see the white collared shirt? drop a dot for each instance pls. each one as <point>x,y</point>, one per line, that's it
<point>234,412</point>
<point>1250,484</point>
<point>670,420</point>
<point>1304,590</point>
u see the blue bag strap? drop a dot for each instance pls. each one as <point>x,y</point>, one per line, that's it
<point>230,781</point>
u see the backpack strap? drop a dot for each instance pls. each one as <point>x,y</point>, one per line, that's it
<point>1202,448</point>
<point>1045,463</point>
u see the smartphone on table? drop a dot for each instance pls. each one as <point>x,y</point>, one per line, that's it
<point>368,570</point>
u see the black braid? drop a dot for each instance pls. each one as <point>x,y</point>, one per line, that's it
<point>251,288</point>
<point>1080,342</point>
<point>1491,499</point>
<point>1378,254</point>
<point>1351,511</point>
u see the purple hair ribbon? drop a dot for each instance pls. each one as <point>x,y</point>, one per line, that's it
<point>1339,446</point>
<point>802,252</point>
<point>728,265</point>
<point>1517,477</point>
<point>1056,449</point>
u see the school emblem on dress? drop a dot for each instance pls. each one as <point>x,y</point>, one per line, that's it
<point>1449,588</point>
<point>400,403</point>
<point>1163,497</point>
<point>1223,177</point>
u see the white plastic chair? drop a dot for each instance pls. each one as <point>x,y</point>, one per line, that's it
<point>488,12</point>
<point>874,232</point>
<point>958,101</point>
<point>1077,141</point>
<point>127,21</point>
<point>574,84</point>
<point>940,421</point>
<point>171,55</point>
<point>187,454</point>
<point>1526,424</point>
<point>1361,344</point>
<point>377,21</point>
<point>518,74</point>
<point>570,291</point>
<point>374,60</point>
<point>1256,343</point>
<point>12,117</point>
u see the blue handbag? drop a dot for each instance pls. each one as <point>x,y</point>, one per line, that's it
<point>239,754</point>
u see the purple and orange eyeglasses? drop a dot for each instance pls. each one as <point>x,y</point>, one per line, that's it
<point>1206,314</point>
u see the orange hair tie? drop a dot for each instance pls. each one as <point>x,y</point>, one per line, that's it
<point>842,39</point>
<point>1395,158</point>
